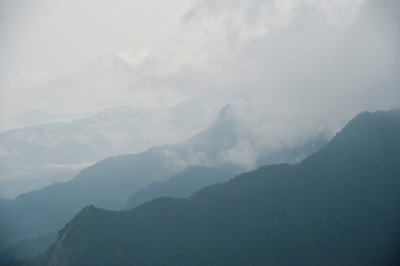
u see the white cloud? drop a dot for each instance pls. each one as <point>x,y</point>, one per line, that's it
<point>242,154</point>
<point>301,62</point>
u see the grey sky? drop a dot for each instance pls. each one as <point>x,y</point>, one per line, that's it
<point>301,62</point>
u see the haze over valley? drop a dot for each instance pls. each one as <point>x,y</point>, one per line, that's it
<point>199,132</point>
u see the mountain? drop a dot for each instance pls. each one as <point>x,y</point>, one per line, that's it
<point>30,155</point>
<point>112,132</point>
<point>23,178</point>
<point>339,206</point>
<point>109,183</point>
<point>181,185</point>
<point>36,117</point>
<point>29,248</point>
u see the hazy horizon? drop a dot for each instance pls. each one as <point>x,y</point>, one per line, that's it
<point>308,61</point>
<point>274,100</point>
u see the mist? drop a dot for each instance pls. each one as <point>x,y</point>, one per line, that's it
<point>317,60</point>
<point>115,104</point>
<point>290,71</point>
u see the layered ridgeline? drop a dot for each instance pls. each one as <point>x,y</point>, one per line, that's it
<point>111,132</point>
<point>32,157</point>
<point>109,183</point>
<point>28,248</point>
<point>340,206</point>
<point>182,185</point>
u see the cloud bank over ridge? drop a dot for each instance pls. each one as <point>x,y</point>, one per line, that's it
<point>296,62</point>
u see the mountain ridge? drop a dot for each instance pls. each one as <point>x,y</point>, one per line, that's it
<point>110,182</point>
<point>182,185</point>
<point>340,206</point>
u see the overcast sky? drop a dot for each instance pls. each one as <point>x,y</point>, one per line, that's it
<point>299,60</point>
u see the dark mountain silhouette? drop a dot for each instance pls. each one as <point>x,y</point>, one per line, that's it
<point>29,248</point>
<point>340,206</point>
<point>32,157</point>
<point>181,185</point>
<point>109,183</point>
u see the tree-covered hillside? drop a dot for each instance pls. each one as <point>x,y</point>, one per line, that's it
<point>109,183</point>
<point>340,206</point>
<point>181,185</point>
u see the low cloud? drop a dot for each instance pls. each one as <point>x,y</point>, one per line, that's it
<point>298,66</point>
<point>300,54</point>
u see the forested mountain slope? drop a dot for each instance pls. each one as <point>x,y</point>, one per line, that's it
<point>181,185</point>
<point>34,157</point>
<point>340,206</point>
<point>42,213</point>
<point>109,183</point>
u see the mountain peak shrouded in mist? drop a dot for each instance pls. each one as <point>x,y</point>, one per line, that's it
<point>339,206</point>
<point>312,56</point>
<point>235,136</point>
<point>149,79</point>
<point>31,156</point>
<point>110,182</point>
<point>111,132</point>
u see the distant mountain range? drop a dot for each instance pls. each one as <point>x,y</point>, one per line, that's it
<point>112,132</point>
<point>33,157</point>
<point>339,206</point>
<point>182,185</point>
<point>109,183</point>
<point>38,117</point>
